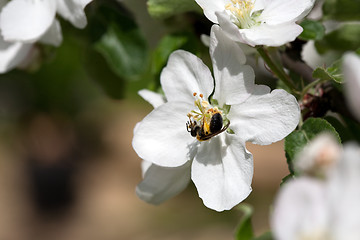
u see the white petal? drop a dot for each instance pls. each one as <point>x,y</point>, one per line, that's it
<point>234,81</point>
<point>300,210</point>
<point>145,165</point>
<point>162,183</point>
<point>280,11</point>
<point>73,11</point>
<point>26,20</point>
<point>12,54</point>
<point>205,39</point>
<point>212,6</point>
<point>259,35</point>
<point>265,117</point>
<point>155,99</point>
<point>351,69</point>
<point>222,172</point>
<point>259,5</point>
<point>273,36</point>
<point>185,74</point>
<point>345,195</point>
<point>53,36</point>
<point>162,138</point>
<point>231,30</point>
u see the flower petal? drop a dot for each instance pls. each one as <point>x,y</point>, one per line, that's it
<point>351,69</point>
<point>210,7</point>
<point>53,35</point>
<point>300,210</point>
<point>231,30</point>
<point>155,99</point>
<point>161,137</point>
<point>12,54</point>
<point>26,20</point>
<point>234,81</point>
<point>222,172</point>
<point>185,74</point>
<point>145,165</point>
<point>162,183</point>
<point>265,117</point>
<point>344,193</point>
<point>73,11</point>
<point>273,36</point>
<point>280,11</point>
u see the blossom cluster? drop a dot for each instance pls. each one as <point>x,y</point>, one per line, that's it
<point>198,129</point>
<point>325,205</point>
<point>26,22</point>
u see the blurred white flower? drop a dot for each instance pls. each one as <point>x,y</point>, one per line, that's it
<point>258,22</point>
<point>319,156</point>
<point>351,70</point>
<point>24,22</point>
<point>203,149</point>
<point>321,208</point>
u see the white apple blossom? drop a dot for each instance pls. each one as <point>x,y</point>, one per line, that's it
<point>220,167</point>
<point>321,209</point>
<point>320,155</point>
<point>351,70</point>
<point>258,22</point>
<point>24,22</point>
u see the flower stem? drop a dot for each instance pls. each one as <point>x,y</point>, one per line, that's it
<point>278,71</point>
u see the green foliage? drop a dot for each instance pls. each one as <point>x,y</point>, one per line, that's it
<point>99,71</point>
<point>287,178</point>
<point>313,30</point>
<point>244,230</point>
<point>343,10</point>
<point>333,72</point>
<point>168,44</point>
<point>345,38</point>
<point>297,140</point>
<point>168,8</point>
<point>118,39</point>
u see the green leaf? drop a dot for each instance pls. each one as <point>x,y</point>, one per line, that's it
<point>345,38</point>
<point>166,46</point>
<point>287,178</point>
<point>343,10</point>
<point>297,140</point>
<point>244,230</point>
<point>118,39</point>
<point>99,71</point>
<point>333,72</point>
<point>265,236</point>
<point>313,30</point>
<point>344,131</point>
<point>168,8</point>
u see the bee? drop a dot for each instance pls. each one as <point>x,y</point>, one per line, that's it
<point>206,129</point>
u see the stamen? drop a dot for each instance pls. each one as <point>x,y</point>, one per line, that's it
<point>241,13</point>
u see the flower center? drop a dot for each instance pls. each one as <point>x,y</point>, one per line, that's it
<point>205,122</point>
<point>241,14</point>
